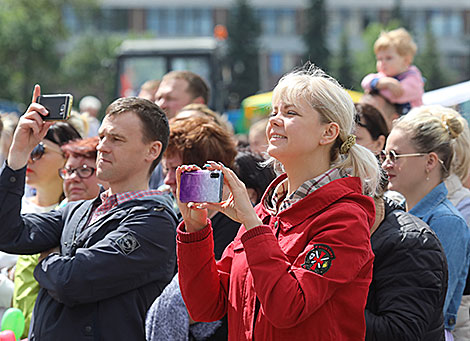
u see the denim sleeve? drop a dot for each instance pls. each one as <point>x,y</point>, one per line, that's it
<point>454,236</point>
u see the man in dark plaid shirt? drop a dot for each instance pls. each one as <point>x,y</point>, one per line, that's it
<point>103,261</point>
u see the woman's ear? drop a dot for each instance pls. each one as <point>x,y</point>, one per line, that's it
<point>330,133</point>
<point>379,144</point>
<point>432,160</point>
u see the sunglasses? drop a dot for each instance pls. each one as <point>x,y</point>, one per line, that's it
<point>39,151</point>
<point>83,172</point>
<point>392,156</point>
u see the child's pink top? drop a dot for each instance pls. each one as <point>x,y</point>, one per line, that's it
<point>411,80</point>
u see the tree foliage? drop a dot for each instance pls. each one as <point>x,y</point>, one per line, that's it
<point>242,50</point>
<point>88,68</point>
<point>344,70</point>
<point>315,34</point>
<point>35,47</point>
<point>397,15</point>
<point>29,34</point>
<point>429,62</point>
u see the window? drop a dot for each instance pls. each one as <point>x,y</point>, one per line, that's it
<point>114,20</point>
<point>180,21</point>
<point>277,21</point>
<point>446,23</point>
<point>275,63</point>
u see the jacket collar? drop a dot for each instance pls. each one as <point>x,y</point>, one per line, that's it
<point>430,201</point>
<point>316,201</point>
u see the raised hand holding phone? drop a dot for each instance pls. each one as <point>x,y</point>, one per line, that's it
<point>31,129</point>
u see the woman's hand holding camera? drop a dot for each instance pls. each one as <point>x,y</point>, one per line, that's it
<point>237,207</point>
<point>194,215</point>
<point>30,131</point>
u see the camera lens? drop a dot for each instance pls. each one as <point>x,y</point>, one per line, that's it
<point>215,175</point>
<point>62,107</point>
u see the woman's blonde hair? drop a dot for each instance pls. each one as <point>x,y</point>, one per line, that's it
<point>434,128</point>
<point>334,104</point>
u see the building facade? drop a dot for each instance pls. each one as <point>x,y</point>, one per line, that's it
<point>282,23</point>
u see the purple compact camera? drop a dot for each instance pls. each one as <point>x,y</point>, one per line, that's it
<point>201,186</point>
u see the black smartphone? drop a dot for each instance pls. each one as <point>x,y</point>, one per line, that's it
<point>201,186</point>
<point>59,106</point>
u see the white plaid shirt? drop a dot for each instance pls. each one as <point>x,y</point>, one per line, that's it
<point>281,201</point>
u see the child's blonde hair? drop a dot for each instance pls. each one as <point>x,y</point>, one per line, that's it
<point>400,39</point>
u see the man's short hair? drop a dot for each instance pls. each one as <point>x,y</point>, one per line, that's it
<point>197,87</point>
<point>154,122</point>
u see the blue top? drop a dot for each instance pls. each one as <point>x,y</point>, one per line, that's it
<point>438,212</point>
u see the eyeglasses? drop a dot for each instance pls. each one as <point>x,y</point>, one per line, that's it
<point>39,151</point>
<point>392,156</point>
<point>83,172</point>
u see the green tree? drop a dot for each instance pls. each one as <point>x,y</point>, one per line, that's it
<point>344,66</point>
<point>397,14</point>
<point>30,33</point>
<point>315,34</point>
<point>88,68</point>
<point>242,51</point>
<point>429,63</point>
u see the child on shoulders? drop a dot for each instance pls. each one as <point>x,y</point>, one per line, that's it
<point>396,79</point>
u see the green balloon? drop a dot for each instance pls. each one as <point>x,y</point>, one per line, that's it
<point>13,319</point>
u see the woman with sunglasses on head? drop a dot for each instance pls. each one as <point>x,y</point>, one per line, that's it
<point>301,264</point>
<point>42,175</point>
<point>371,128</point>
<point>417,159</point>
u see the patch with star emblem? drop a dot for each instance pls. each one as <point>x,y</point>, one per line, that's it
<point>319,259</point>
<point>127,243</point>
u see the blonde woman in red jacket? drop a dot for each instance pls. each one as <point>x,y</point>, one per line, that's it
<point>301,264</point>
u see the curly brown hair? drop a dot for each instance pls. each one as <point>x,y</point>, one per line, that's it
<point>200,139</point>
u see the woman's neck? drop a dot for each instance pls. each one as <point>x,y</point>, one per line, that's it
<point>301,171</point>
<point>419,192</point>
<point>47,196</point>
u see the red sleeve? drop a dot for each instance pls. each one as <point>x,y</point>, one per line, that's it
<point>203,282</point>
<point>277,281</point>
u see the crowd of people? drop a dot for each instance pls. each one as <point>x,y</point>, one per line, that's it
<point>338,220</point>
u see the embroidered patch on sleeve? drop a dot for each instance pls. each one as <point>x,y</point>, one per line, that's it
<point>319,259</point>
<point>127,243</point>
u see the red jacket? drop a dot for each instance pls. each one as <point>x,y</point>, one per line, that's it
<point>311,282</point>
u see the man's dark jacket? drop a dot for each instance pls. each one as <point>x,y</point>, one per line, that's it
<point>106,276</point>
<point>409,282</point>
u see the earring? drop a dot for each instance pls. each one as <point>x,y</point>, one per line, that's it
<point>427,175</point>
